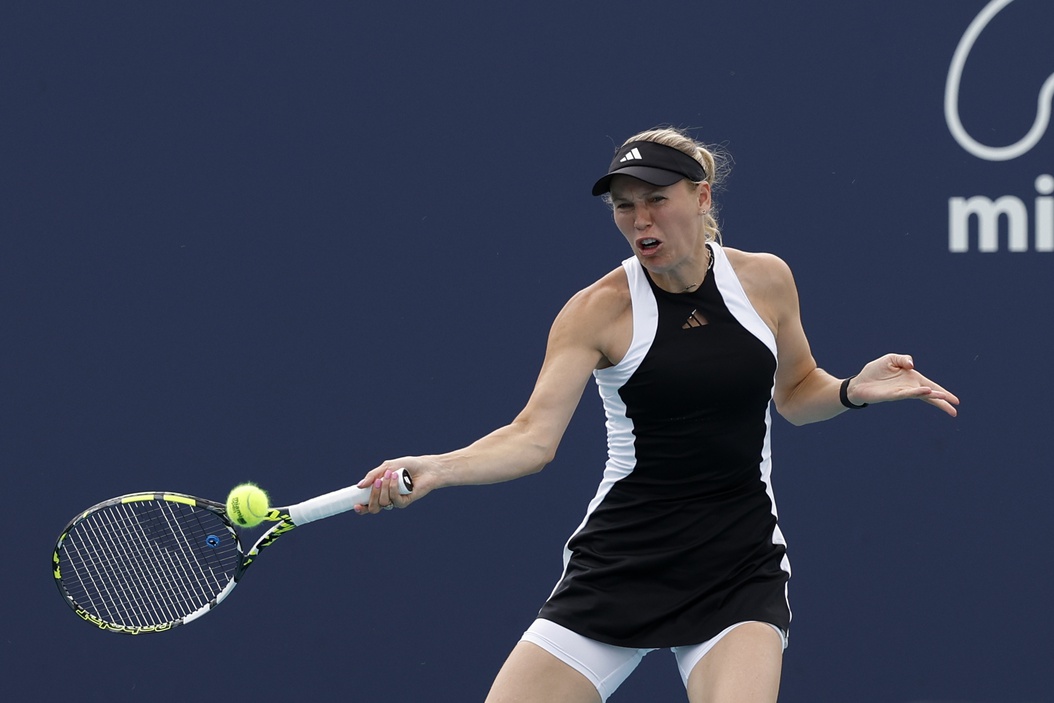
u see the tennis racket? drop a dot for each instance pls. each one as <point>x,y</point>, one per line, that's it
<point>148,562</point>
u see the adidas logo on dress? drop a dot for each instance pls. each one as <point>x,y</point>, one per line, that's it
<point>696,319</point>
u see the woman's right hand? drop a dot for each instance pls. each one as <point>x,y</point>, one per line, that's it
<point>385,494</point>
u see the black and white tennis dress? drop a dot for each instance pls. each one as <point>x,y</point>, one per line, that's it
<point>681,539</point>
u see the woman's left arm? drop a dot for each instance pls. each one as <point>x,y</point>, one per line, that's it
<point>806,393</point>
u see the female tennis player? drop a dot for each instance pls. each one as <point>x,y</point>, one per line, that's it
<point>689,343</point>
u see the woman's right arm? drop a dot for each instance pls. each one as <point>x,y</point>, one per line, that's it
<point>529,442</point>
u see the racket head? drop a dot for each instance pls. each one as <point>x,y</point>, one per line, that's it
<point>147,562</point>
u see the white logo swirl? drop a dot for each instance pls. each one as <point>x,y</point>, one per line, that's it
<point>951,97</point>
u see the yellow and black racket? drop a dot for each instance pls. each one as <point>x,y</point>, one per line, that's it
<point>148,562</point>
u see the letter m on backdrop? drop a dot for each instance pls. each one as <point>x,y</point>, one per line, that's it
<point>988,213</point>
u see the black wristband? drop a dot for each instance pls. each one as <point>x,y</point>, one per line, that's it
<point>843,395</point>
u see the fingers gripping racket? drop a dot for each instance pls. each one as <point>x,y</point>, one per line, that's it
<point>147,562</point>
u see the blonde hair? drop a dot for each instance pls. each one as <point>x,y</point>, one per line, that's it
<point>714,161</point>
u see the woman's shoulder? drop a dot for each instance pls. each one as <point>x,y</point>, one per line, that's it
<point>596,318</point>
<point>609,295</point>
<point>766,278</point>
<point>758,265</point>
<point>754,260</point>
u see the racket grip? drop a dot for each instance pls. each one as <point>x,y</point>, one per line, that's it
<point>341,501</point>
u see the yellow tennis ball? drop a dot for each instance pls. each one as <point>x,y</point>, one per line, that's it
<point>247,505</point>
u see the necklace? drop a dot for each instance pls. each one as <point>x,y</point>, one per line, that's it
<point>709,265</point>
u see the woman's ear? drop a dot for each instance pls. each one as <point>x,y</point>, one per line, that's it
<point>703,192</point>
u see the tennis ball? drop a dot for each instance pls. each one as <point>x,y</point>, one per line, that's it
<point>247,505</point>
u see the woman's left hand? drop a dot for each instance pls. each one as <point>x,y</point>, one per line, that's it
<point>893,377</point>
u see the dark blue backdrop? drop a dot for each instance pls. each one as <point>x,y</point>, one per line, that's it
<point>284,241</point>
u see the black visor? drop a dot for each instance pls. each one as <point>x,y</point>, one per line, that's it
<point>652,163</point>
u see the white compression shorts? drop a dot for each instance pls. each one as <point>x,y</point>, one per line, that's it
<point>607,665</point>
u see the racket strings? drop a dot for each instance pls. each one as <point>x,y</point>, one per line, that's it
<point>147,562</point>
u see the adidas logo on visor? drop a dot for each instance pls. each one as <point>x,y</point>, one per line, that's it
<point>631,155</point>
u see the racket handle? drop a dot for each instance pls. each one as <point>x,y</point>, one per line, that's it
<point>341,501</point>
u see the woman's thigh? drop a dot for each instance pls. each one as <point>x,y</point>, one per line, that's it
<point>553,663</point>
<point>745,665</point>
<point>531,674</point>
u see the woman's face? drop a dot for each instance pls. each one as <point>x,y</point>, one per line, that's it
<point>663,225</point>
